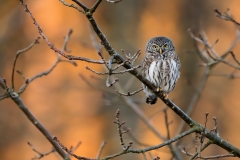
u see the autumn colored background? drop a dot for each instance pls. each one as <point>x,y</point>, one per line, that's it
<point>74,111</point>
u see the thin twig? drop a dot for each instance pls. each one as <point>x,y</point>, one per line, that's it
<point>215,129</point>
<point>139,112</point>
<point>173,152</point>
<point>81,5</point>
<point>217,58</point>
<point>100,149</point>
<point>144,156</point>
<point>121,132</point>
<point>234,57</point>
<point>226,16</point>
<point>136,141</point>
<point>36,41</point>
<point>45,73</point>
<point>201,149</point>
<point>95,6</point>
<point>72,148</point>
<point>110,84</point>
<point>71,5</point>
<point>130,93</point>
<point>51,46</point>
<point>191,130</point>
<point>206,157</point>
<point>127,70</point>
<point>69,151</point>
<point>40,155</point>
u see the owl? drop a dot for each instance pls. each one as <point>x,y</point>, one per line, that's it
<point>161,66</point>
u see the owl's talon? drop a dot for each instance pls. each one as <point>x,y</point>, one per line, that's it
<point>158,89</point>
<point>165,96</point>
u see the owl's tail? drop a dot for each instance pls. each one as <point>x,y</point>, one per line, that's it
<point>152,99</point>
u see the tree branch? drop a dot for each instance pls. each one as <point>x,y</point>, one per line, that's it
<point>18,101</point>
<point>36,41</point>
<point>195,127</point>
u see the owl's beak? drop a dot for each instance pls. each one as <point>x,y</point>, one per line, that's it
<point>160,50</point>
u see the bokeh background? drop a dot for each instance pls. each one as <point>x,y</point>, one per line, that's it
<point>75,111</point>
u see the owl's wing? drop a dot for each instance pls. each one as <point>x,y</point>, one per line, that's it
<point>175,57</point>
<point>177,60</point>
<point>145,66</point>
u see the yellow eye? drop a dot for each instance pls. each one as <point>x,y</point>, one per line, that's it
<point>165,46</point>
<point>155,47</point>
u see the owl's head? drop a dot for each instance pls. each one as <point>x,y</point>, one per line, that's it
<point>159,46</point>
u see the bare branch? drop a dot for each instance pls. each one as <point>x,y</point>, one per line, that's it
<point>139,112</point>
<point>69,151</point>
<point>118,59</point>
<point>215,129</point>
<point>72,148</point>
<point>216,57</point>
<point>40,155</point>
<point>153,147</point>
<point>234,57</point>
<point>130,94</point>
<point>135,56</point>
<point>105,62</point>
<point>173,152</point>
<point>93,9</point>
<point>45,73</point>
<point>15,97</point>
<point>100,149</point>
<point>71,5</point>
<point>201,149</point>
<point>99,73</point>
<point>217,156</point>
<point>36,41</point>
<point>144,156</point>
<point>136,141</point>
<point>127,70</point>
<point>207,157</point>
<point>81,5</point>
<point>51,46</point>
<point>110,84</point>
<point>121,132</point>
<point>226,16</point>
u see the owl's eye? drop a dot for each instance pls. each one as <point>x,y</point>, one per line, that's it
<point>165,46</point>
<point>155,47</point>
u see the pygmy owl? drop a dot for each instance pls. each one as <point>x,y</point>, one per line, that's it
<point>161,66</point>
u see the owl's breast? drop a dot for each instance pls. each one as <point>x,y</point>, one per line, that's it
<point>163,73</point>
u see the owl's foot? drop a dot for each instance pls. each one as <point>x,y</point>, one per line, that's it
<point>165,96</point>
<point>158,89</point>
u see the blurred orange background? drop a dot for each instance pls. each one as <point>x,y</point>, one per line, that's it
<point>74,111</point>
